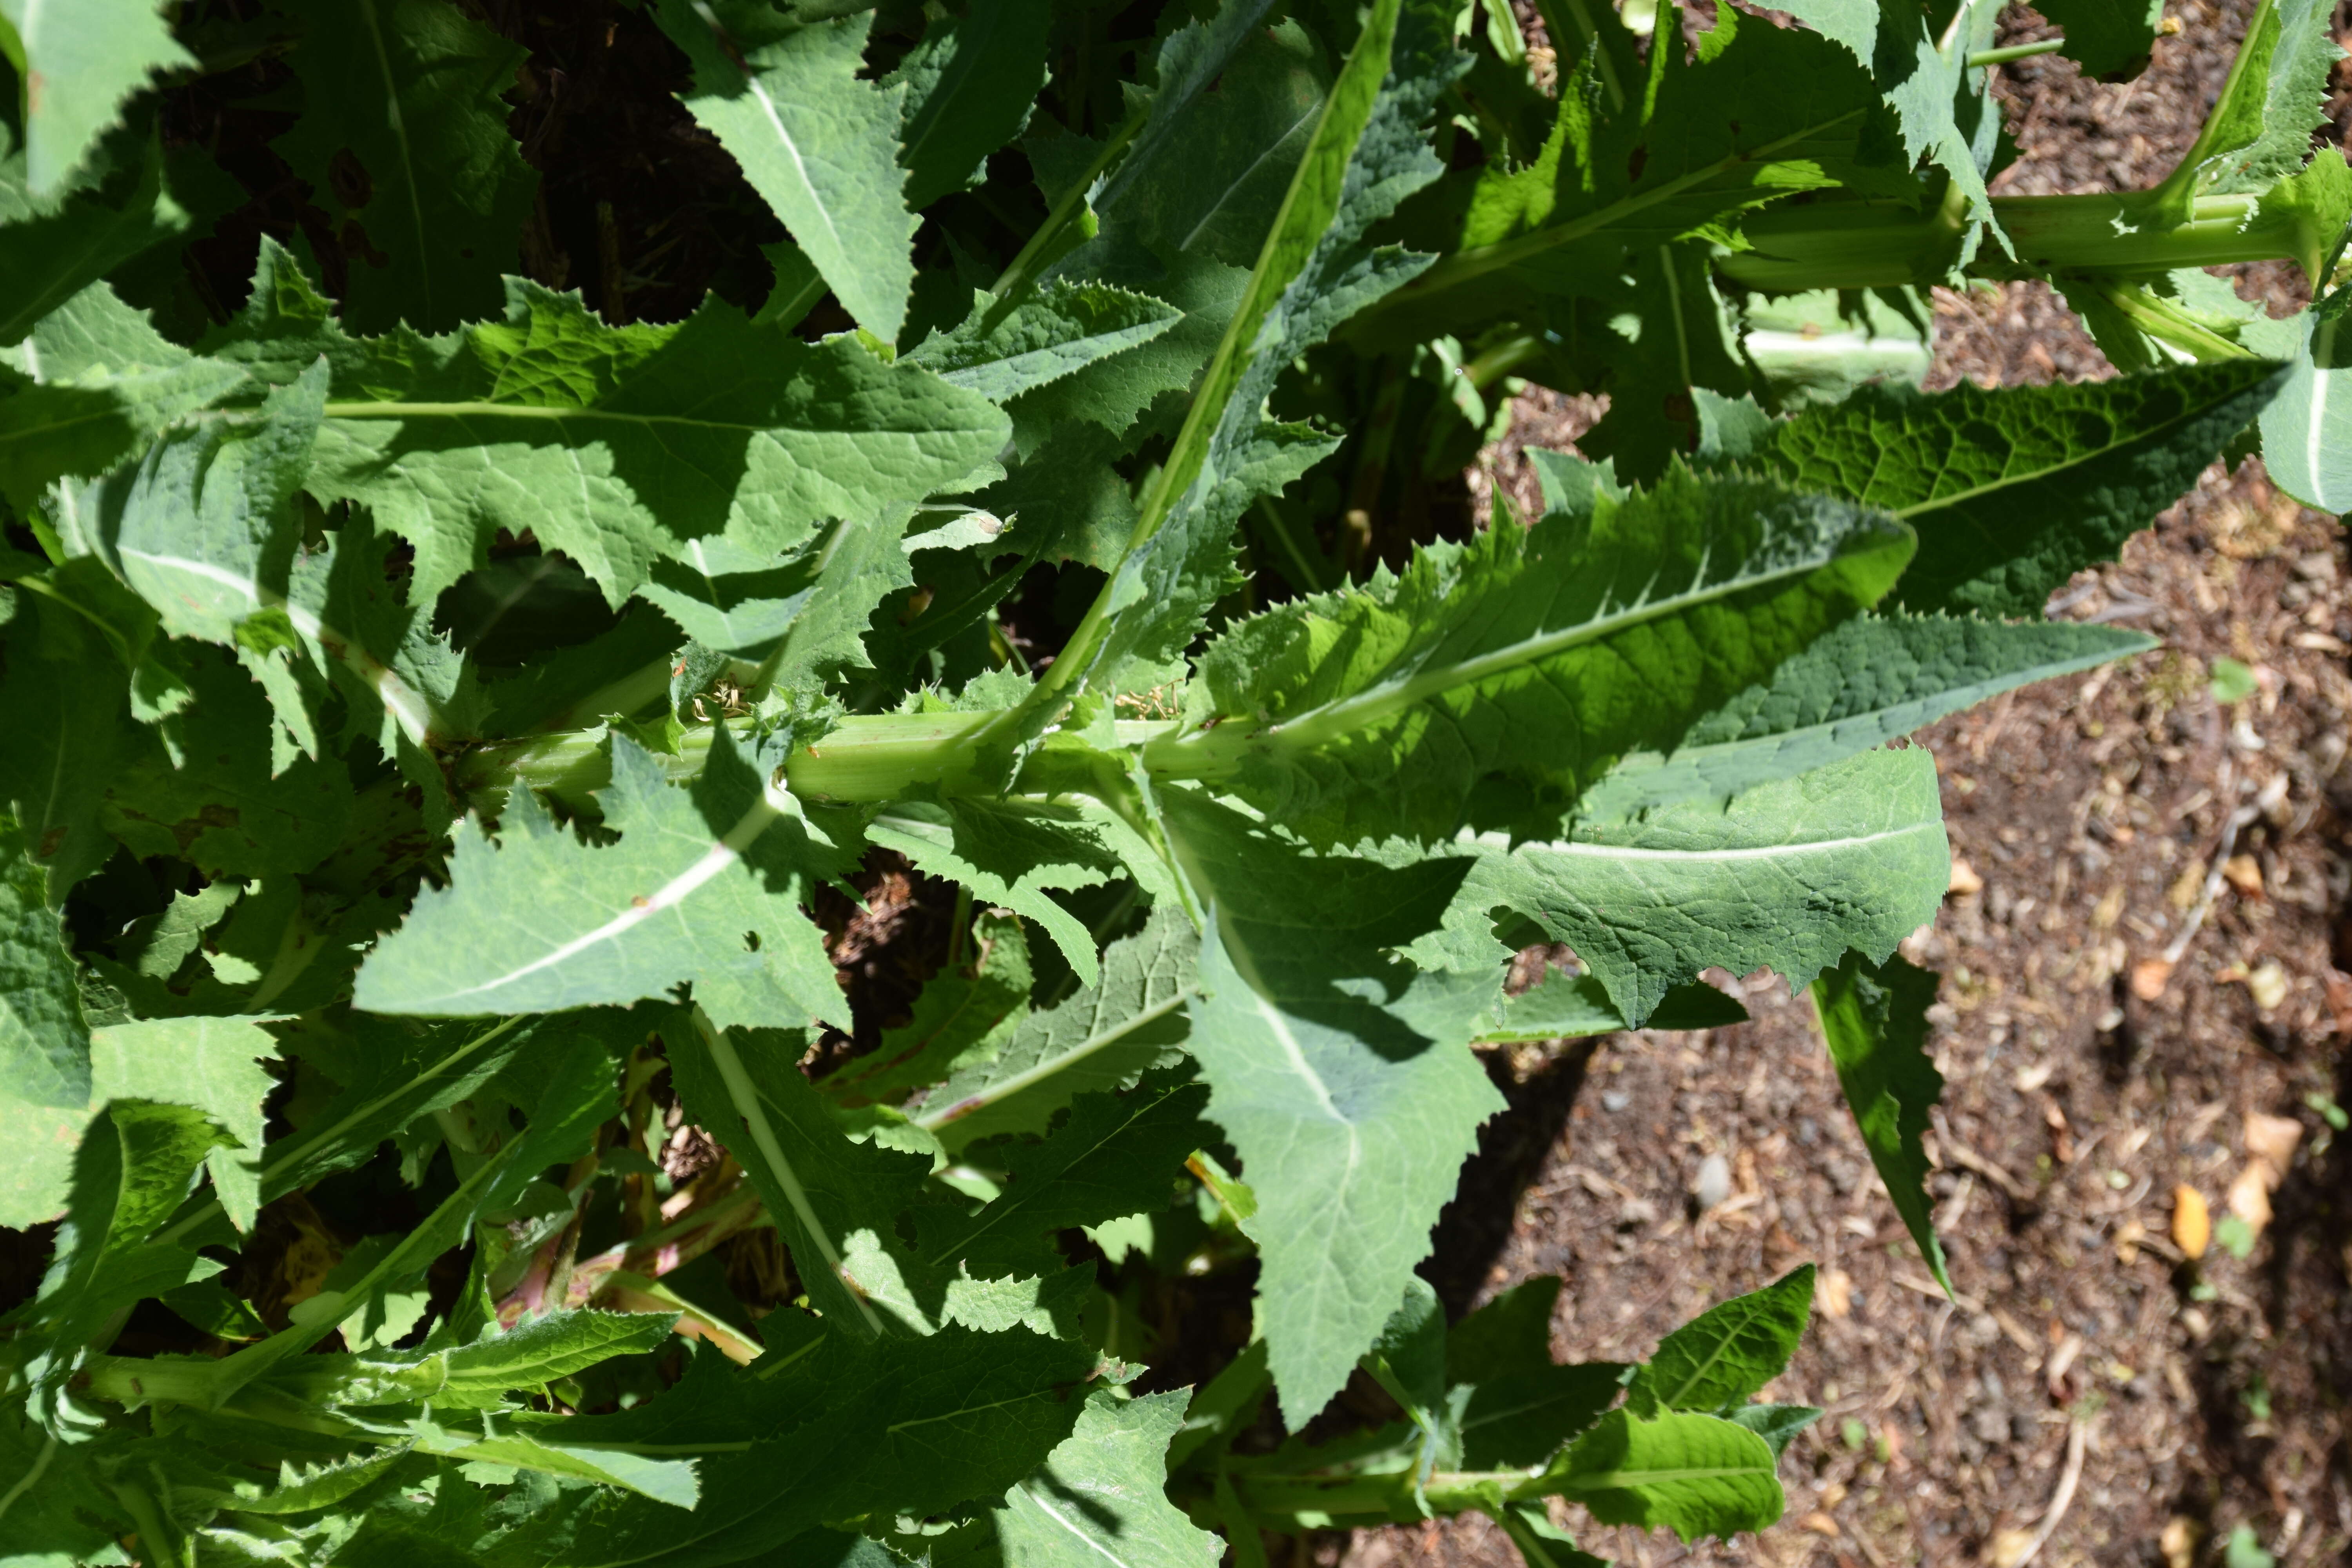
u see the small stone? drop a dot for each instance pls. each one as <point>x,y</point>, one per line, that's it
<point>1809,1131</point>
<point>1615,1100</point>
<point>1988,1423</point>
<point>2267,985</point>
<point>1714,1184</point>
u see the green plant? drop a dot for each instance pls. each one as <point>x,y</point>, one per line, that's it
<point>434,714</point>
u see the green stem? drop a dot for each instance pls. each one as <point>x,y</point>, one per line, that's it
<point>1038,253</point>
<point>2015,52</point>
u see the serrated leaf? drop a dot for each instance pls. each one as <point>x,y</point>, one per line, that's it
<point>1786,876</point>
<point>1695,1474</point>
<point>1540,657</point>
<point>1719,1359</point>
<point>971,84</point>
<point>1010,853</point>
<point>2013,491</point>
<point>834,1203</point>
<point>817,143</point>
<point>704,887</point>
<point>56,1511</point>
<point>98,380</point>
<point>614,445</point>
<point>1778,1425</point>
<point>1873,1018</point>
<point>70,734</point>
<point>1103,1038</point>
<point>1338,1072</point>
<point>1117,1155</point>
<point>80,63</point>
<point>2259,129</point>
<point>1517,1407</point>
<point>1007,347</point>
<point>1859,685</point>
<point>1366,156</point>
<point>962,1018</point>
<point>1100,1498</point>
<point>43,1037</point>
<point>403,136</point>
<point>214,1065</point>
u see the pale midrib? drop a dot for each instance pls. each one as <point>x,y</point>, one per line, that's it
<point>1030,1496</point>
<point>2323,344</point>
<point>1622,1480</point>
<point>800,167</point>
<point>1048,1068</point>
<point>371,408</point>
<point>2042,476</point>
<point>1256,164</point>
<point>1337,718</point>
<point>753,1110</point>
<point>1757,852</point>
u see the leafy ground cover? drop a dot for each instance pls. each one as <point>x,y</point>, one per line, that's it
<point>449,704</point>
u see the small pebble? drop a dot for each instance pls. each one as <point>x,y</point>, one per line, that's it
<point>1714,1184</point>
<point>1615,1100</point>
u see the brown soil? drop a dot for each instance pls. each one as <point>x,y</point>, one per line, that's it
<point>2086,1082</point>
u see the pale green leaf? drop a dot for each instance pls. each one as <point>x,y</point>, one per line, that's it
<point>1007,347</point>
<point>2307,428</point>
<point>971,84</point>
<point>614,445</point>
<point>705,885</point>
<point>1538,656</point>
<point>1786,876</point>
<point>1874,1017</point>
<point>403,136</point>
<point>43,1039</point>
<point>1338,1071</point>
<point>52,248</point>
<point>1100,1500</point>
<point>1695,1474</point>
<point>818,143</point>
<point>1860,685</point>
<point>1102,1037</point>
<point>2259,129</point>
<point>80,62</point>
<point>214,1065</point>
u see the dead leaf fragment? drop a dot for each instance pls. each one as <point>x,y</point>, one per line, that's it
<point>1820,1524</point>
<point>2245,873</point>
<point>2149,977</point>
<point>2192,1225</point>
<point>2272,1139</point>
<point>1835,1294</point>
<point>1965,879</point>
<point>2268,985</point>
<point>2178,1542</point>
<point>2250,1195</point>
<point>2109,910</point>
<point>2009,1547</point>
<point>2128,1236</point>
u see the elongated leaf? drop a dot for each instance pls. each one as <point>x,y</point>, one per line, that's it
<point>1778,1425</point>
<point>1858,685</point>
<point>615,445</point>
<point>1874,1017</point>
<point>482,1374</point>
<point>1718,1360</point>
<point>2307,428</point>
<point>1103,1038</point>
<point>1009,855</point>
<point>129,1174</point>
<point>834,1203</point>
<point>705,885</point>
<point>1100,1500</point>
<point>2259,129</point>
<point>1117,1155</point>
<point>1007,347</point>
<point>1695,1474</point>
<point>819,144</point>
<point>1367,155</point>
<point>1517,1407</point>
<point>403,138</point>
<point>1338,1072</point>
<point>1541,656</point>
<point>971,84</point>
<point>1786,876</point>
<point>80,62</point>
<point>961,1020</point>
<point>2013,491</point>
<point>43,1039</point>
<point>1558,1007</point>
